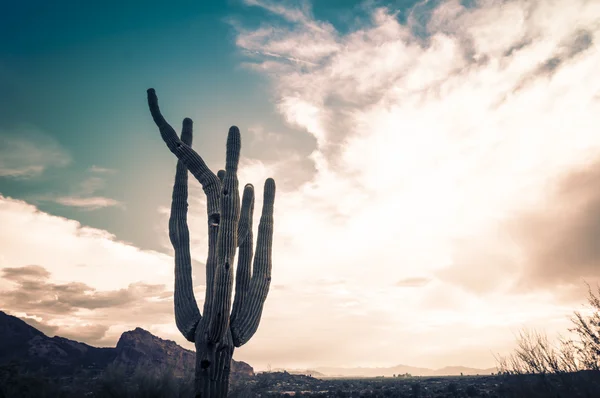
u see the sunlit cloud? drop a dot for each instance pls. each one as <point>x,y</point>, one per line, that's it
<point>77,281</point>
<point>434,138</point>
<point>89,203</point>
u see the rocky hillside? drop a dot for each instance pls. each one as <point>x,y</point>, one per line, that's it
<point>32,348</point>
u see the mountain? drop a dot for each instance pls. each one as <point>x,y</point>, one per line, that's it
<point>27,345</point>
<point>400,370</point>
<point>60,356</point>
<point>457,370</point>
<point>301,372</point>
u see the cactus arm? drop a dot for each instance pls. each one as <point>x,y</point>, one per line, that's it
<point>194,163</point>
<point>245,224</point>
<point>247,323</point>
<point>245,253</point>
<point>211,262</point>
<point>211,266</point>
<point>226,240</point>
<point>187,314</point>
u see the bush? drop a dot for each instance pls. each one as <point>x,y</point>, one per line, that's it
<point>142,382</point>
<point>536,355</point>
<point>571,368</point>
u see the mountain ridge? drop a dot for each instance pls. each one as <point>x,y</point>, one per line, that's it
<point>29,346</point>
<point>331,371</point>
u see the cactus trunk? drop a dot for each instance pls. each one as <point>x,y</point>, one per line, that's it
<point>224,325</point>
<point>213,365</point>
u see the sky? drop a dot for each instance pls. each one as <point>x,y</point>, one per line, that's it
<point>437,167</point>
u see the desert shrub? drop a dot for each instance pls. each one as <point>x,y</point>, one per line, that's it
<point>416,390</point>
<point>535,354</point>
<point>472,391</point>
<point>570,368</point>
<point>18,382</point>
<point>242,390</point>
<point>453,389</point>
<point>142,382</point>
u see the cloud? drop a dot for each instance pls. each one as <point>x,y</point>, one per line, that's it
<point>259,134</point>
<point>85,195</point>
<point>575,44</point>
<point>27,152</point>
<point>416,281</point>
<point>434,139</point>
<point>34,293</point>
<point>91,334</point>
<point>312,42</point>
<point>88,203</point>
<point>73,252</point>
<point>101,170</point>
<point>81,282</point>
<point>26,272</point>
<point>561,239</point>
<point>48,330</point>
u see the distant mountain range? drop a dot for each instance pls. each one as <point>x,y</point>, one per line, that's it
<point>60,356</point>
<point>389,372</point>
<point>21,342</point>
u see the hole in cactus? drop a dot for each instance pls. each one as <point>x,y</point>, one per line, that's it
<point>214,219</point>
<point>204,364</point>
<point>178,144</point>
<point>225,192</point>
<point>269,279</point>
<point>227,265</point>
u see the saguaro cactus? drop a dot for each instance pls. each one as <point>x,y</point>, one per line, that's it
<point>217,332</point>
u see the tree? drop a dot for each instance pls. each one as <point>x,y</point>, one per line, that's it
<point>217,332</point>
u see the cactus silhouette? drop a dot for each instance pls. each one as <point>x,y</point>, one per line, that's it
<point>217,332</point>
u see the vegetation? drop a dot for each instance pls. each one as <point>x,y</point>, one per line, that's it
<point>569,368</point>
<point>114,382</point>
<point>143,382</point>
<point>121,382</point>
<point>535,354</point>
<point>217,333</point>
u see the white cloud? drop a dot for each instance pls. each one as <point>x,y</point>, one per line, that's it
<point>88,203</point>
<point>102,170</point>
<point>27,152</point>
<point>73,252</point>
<point>427,147</point>
<point>87,259</point>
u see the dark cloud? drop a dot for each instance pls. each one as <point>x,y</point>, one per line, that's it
<point>575,44</point>
<point>579,42</point>
<point>556,247</point>
<point>20,273</point>
<point>562,242</point>
<point>519,45</point>
<point>34,293</point>
<point>48,330</point>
